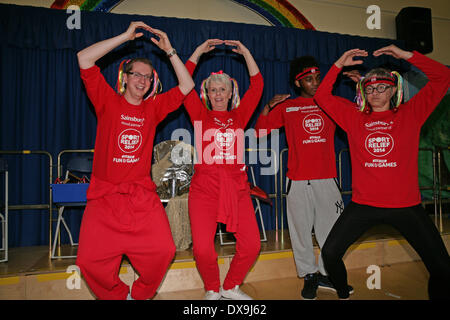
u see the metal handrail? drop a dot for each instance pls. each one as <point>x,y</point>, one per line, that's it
<point>4,221</point>
<point>50,200</point>
<point>441,187</point>
<point>434,186</point>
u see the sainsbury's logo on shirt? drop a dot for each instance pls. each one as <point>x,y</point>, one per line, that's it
<point>378,125</point>
<point>303,109</point>
<point>133,119</point>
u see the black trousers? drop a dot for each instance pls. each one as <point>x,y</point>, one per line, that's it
<point>412,222</point>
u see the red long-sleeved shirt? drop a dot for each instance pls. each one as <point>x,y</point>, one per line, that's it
<point>309,134</point>
<point>384,146</point>
<point>125,132</point>
<point>219,135</point>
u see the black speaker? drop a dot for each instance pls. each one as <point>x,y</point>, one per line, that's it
<point>414,27</point>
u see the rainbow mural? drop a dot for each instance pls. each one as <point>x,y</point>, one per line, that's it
<point>276,12</point>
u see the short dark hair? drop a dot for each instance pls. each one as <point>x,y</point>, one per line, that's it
<point>299,64</point>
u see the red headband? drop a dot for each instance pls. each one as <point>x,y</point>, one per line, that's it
<point>305,73</point>
<point>375,80</point>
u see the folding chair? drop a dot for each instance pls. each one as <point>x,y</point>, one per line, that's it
<point>4,217</point>
<point>257,211</point>
<point>70,195</point>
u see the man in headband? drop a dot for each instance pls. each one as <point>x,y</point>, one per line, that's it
<point>313,197</point>
<point>384,150</point>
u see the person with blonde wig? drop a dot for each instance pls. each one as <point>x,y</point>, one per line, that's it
<point>219,190</point>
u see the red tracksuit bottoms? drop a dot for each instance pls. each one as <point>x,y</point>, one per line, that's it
<point>126,219</point>
<point>220,194</point>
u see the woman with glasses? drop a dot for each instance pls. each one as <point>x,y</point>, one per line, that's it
<point>383,135</point>
<point>124,215</point>
<point>219,190</point>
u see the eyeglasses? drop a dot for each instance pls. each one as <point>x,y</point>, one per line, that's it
<point>380,88</point>
<point>137,75</point>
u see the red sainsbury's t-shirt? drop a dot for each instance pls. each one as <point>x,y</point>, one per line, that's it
<point>125,132</point>
<point>309,134</point>
<point>384,146</point>
<point>219,135</point>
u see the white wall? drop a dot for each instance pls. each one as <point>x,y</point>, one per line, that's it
<point>349,17</point>
<point>215,10</point>
<point>341,16</point>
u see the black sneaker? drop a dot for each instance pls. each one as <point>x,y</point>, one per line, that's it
<point>310,286</point>
<point>324,282</point>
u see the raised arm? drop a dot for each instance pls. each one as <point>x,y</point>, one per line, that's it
<point>270,119</point>
<point>278,98</point>
<point>88,56</point>
<point>205,47</point>
<point>96,86</point>
<point>347,59</point>
<point>426,100</point>
<point>192,102</point>
<point>338,108</point>
<point>241,49</point>
<point>185,82</point>
<point>251,98</point>
<point>393,51</point>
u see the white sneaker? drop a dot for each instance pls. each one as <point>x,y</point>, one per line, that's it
<point>234,294</point>
<point>212,295</point>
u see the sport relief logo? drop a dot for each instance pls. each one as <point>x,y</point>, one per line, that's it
<point>130,140</point>
<point>313,123</point>
<point>379,144</point>
<point>224,140</point>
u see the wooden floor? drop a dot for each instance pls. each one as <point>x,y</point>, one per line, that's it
<point>399,281</point>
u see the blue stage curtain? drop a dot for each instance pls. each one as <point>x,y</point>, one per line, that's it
<point>44,105</point>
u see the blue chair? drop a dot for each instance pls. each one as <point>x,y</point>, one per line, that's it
<point>70,195</point>
<point>4,217</point>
